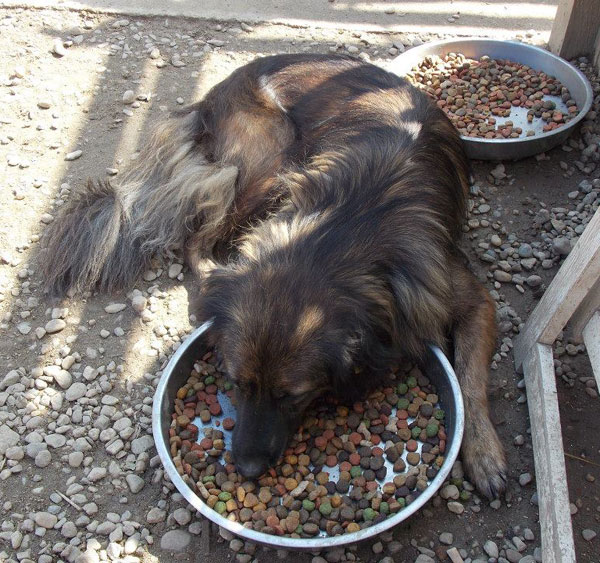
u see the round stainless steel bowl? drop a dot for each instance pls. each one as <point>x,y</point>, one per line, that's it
<point>438,370</point>
<point>536,58</point>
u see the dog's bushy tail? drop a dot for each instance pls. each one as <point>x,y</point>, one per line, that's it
<point>106,235</point>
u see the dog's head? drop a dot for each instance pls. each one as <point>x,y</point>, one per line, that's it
<point>282,346</point>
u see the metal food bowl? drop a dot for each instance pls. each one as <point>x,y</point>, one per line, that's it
<point>438,370</point>
<point>534,57</point>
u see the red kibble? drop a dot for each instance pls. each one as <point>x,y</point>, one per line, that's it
<point>376,439</point>
<point>320,442</point>
<point>412,446</point>
<point>377,451</point>
<point>328,434</point>
<point>331,461</point>
<point>272,521</point>
<point>442,446</point>
<point>355,438</point>
<point>345,466</point>
<point>228,423</point>
<point>354,459</point>
<point>206,443</point>
<point>402,414</point>
<point>215,409</point>
<point>372,485</point>
<point>212,389</point>
<point>402,424</point>
<point>358,407</point>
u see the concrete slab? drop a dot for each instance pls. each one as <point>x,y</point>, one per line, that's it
<point>498,18</point>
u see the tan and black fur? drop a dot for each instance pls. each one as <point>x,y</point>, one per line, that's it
<point>328,197</point>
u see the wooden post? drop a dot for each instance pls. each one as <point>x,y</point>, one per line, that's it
<point>575,28</point>
<point>550,471</point>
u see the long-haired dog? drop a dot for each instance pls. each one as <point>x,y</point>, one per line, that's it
<point>329,196</point>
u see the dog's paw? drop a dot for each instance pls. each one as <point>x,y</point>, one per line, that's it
<point>484,460</point>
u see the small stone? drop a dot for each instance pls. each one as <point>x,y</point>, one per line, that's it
<point>182,516</point>
<point>115,308</point>
<point>74,155</point>
<point>446,538</point>
<point>24,328</point>
<point>75,459</point>
<point>45,520</point>
<point>58,48</point>
<point>588,535</point>
<point>561,246</point>
<point>456,507</point>
<point>55,325</point>
<point>129,97</point>
<point>155,515</point>
<point>533,281</point>
<point>525,479</point>
<point>44,104</point>
<point>135,483</point>
<point>450,492</point>
<point>68,530</point>
<point>76,391</point>
<point>96,474</point>
<point>454,555</point>
<point>141,444</point>
<point>175,541</point>
<point>8,438</point>
<point>43,459</point>
<point>139,303</point>
<point>502,276</point>
<point>491,549</point>
<point>175,270</point>
<point>9,379</point>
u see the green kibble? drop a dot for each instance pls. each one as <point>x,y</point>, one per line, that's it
<point>208,479</point>
<point>369,514</point>
<point>220,507</point>
<point>209,380</point>
<point>299,529</point>
<point>308,505</point>
<point>432,430</point>
<point>402,502</point>
<point>439,414</point>
<point>415,432</point>
<point>325,509</point>
<point>465,496</point>
<point>355,471</point>
<point>384,508</point>
<point>224,496</point>
<point>228,386</point>
<point>411,382</point>
<point>403,404</point>
<point>402,388</point>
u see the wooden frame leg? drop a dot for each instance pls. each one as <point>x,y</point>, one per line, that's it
<point>555,516</point>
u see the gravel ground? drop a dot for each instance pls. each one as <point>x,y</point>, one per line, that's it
<point>79,476</point>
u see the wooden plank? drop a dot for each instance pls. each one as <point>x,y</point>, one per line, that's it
<point>576,277</point>
<point>575,28</point>
<point>551,476</point>
<point>591,338</point>
<point>581,317</point>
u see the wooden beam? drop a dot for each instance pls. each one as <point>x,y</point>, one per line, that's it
<point>575,28</point>
<point>585,311</point>
<point>578,274</point>
<point>550,471</point>
<point>591,337</point>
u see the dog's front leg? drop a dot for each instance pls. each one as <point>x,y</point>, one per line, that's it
<point>474,336</point>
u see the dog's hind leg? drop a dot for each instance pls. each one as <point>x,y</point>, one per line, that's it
<point>474,336</point>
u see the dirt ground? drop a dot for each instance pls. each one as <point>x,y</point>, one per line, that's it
<point>52,105</point>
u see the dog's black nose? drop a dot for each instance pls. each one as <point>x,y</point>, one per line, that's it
<point>252,467</point>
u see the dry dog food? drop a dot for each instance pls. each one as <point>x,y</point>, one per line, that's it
<point>479,95</point>
<point>345,469</point>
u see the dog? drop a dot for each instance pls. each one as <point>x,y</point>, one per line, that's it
<point>320,201</point>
